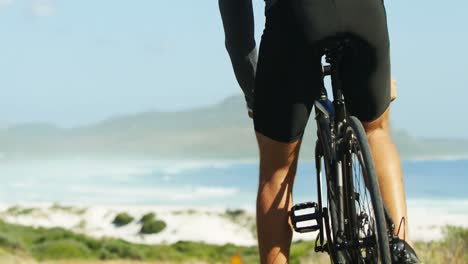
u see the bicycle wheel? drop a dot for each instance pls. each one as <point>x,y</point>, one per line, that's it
<point>365,225</point>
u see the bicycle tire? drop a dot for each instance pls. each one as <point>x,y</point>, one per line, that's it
<point>363,227</point>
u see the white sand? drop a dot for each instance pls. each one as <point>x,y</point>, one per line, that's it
<point>428,217</point>
<point>210,225</point>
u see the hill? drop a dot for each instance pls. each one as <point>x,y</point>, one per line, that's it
<point>220,131</point>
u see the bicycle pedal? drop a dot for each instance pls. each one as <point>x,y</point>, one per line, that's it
<point>304,221</point>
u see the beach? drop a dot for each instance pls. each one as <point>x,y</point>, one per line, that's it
<point>212,225</point>
<point>196,198</point>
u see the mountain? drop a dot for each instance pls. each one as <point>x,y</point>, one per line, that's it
<point>221,131</point>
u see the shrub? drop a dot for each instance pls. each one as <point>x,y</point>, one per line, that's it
<point>152,226</point>
<point>147,217</point>
<point>234,213</point>
<point>122,219</point>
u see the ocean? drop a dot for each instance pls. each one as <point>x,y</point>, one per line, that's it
<point>227,184</point>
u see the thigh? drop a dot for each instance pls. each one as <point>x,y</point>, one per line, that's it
<point>288,77</point>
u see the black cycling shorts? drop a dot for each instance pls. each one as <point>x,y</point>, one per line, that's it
<point>289,72</point>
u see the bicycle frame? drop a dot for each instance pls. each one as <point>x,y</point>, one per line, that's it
<point>331,119</point>
<point>333,148</point>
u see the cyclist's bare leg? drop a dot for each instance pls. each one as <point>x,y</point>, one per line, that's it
<point>388,167</point>
<point>278,163</point>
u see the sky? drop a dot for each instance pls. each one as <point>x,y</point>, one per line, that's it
<point>77,62</point>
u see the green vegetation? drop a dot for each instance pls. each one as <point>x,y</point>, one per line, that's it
<point>452,249</point>
<point>189,212</point>
<point>81,224</point>
<point>147,217</point>
<point>235,213</point>
<point>17,210</point>
<point>9,242</point>
<point>303,250</point>
<point>60,244</point>
<point>61,249</point>
<point>70,209</point>
<point>240,217</point>
<point>151,225</point>
<point>122,219</point>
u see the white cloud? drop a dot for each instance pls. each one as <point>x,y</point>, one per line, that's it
<point>43,8</point>
<point>5,3</point>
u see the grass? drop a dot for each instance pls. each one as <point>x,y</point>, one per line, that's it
<point>9,242</point>
<point>59,244</point>
<point>20,244</point>
<point>452,249</point>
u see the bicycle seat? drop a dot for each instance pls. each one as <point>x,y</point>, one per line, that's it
<point>336,43</point>
<point>349,49</point>
<point>335,46</point>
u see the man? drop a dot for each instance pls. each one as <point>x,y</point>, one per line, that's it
<point>280,93</point>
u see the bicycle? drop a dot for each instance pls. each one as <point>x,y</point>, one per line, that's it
<point>356,225</point>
